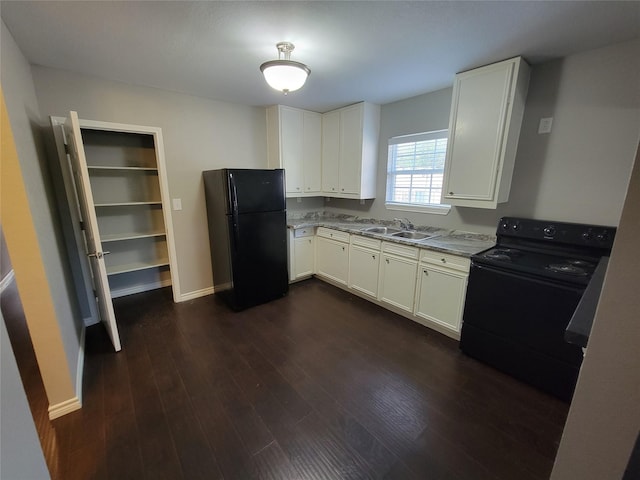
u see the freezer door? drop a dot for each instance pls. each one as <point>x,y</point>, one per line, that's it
<point>259,258</point>
<point>256,190</point>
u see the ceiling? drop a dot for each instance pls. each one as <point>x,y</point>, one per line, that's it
<point>368,50</point>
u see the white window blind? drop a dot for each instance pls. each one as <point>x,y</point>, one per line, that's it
<point>415,169</point>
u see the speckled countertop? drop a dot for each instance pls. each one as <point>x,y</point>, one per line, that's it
<point>455,242</point>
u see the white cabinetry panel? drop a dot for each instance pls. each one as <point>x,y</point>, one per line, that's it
<point>364,265</point>
<point>332,255</point>
<point>484,127</point>
<point>441,295</point>
<point>398,276</point>
<point>294,143</point>
<point>350,151</point>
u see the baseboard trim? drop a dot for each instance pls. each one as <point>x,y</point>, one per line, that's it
<point>123,292</point>
<point>60,409</point>
<point>80,367</point>
<point>422,321</point>
<point>7,280</point>
<point>203,292</point>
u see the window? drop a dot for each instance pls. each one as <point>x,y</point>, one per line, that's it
<point>415,172</point>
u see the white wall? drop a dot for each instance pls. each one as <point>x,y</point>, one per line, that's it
<point>199,134</point>
<point>604,418</point>
<point>58,373</point>
<point>578,173</point>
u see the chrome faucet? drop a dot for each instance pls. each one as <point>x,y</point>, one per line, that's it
<point>405,223</point>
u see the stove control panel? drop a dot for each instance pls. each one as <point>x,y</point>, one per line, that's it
<point>577,234</point>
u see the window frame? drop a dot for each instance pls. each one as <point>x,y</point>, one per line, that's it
<point>435,208</point>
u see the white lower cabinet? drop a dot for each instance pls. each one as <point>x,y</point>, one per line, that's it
<point>425,286</point>
<point>398,268</point>
<point>332,255</point>
<point>364,265</point>
<point>442,285</point>
<point>302,253</point>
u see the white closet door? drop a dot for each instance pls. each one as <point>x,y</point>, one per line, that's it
<point>92,234</point>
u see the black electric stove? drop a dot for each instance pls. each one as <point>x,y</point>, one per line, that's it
<point>522,293</point>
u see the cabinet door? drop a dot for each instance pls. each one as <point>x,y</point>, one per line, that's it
<point>350,149</point>
<point>398,281</point>
<point>291,133</point>
<point>441,296</point>
<point>304,251</point>
<point>476,136</point>
<point>332,259</point>
<point>364,264</point>
<point>312,152</point>
<point>331,152</point>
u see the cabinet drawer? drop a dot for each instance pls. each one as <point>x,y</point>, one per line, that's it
<point>401,250</point>
<point>366,242</point>
<point>333,234</point>
<point>303,232</point>
<point>445,260</point>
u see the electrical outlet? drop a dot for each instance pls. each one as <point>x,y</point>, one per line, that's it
<point>545,125</point>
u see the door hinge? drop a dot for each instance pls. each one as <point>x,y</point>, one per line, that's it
<point>82,225</point>
<point>66,149</point>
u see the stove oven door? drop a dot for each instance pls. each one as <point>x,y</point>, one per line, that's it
<point>516,323</point>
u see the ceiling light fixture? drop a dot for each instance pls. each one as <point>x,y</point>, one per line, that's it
<point>285,75</point>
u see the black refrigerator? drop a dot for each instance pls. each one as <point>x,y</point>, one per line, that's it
<point>246,213</point>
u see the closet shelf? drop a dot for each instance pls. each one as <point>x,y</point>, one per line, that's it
<point>134,169</point>
<point>136,266</point>
<point>126,204</point>
<point>116,237</point>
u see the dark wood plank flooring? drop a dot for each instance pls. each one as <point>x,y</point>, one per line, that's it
<point>317,385</point>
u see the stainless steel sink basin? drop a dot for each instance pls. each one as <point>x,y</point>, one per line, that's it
<point>381,230</point>
<point>412,235</point>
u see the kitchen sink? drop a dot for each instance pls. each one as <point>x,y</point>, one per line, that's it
<point>382,230</point>
<point>412,235</point>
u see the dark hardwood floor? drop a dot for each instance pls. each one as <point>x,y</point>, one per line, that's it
<point>317,385</point>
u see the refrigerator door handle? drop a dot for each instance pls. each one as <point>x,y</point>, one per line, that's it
<point>234,196</point>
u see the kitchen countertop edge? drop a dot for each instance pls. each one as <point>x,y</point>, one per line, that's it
<point>454,242</point>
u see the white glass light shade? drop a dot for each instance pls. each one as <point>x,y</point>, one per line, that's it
<point>285,75</point>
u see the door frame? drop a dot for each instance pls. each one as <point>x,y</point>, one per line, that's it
<point>76,236</point>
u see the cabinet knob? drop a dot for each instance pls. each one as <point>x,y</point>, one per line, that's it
<point>343,189</point>
<point>343,249</point>
<point>373,256</point>
<point>387,260</point>
<point>450,193</point>
<point>443,260</point>
<point>426,272</point>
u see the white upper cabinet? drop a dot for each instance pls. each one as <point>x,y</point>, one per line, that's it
<point>350,151</point>
<point>486,114</point>
<point>294,143</point>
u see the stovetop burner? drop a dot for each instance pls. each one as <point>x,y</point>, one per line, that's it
<point>503,254</point>
<point>580,263</point>
<point>569,269</point>
<point>498,256</point>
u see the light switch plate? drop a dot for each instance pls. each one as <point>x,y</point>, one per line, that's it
<point>177,204</point>
<point>545,125</point>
